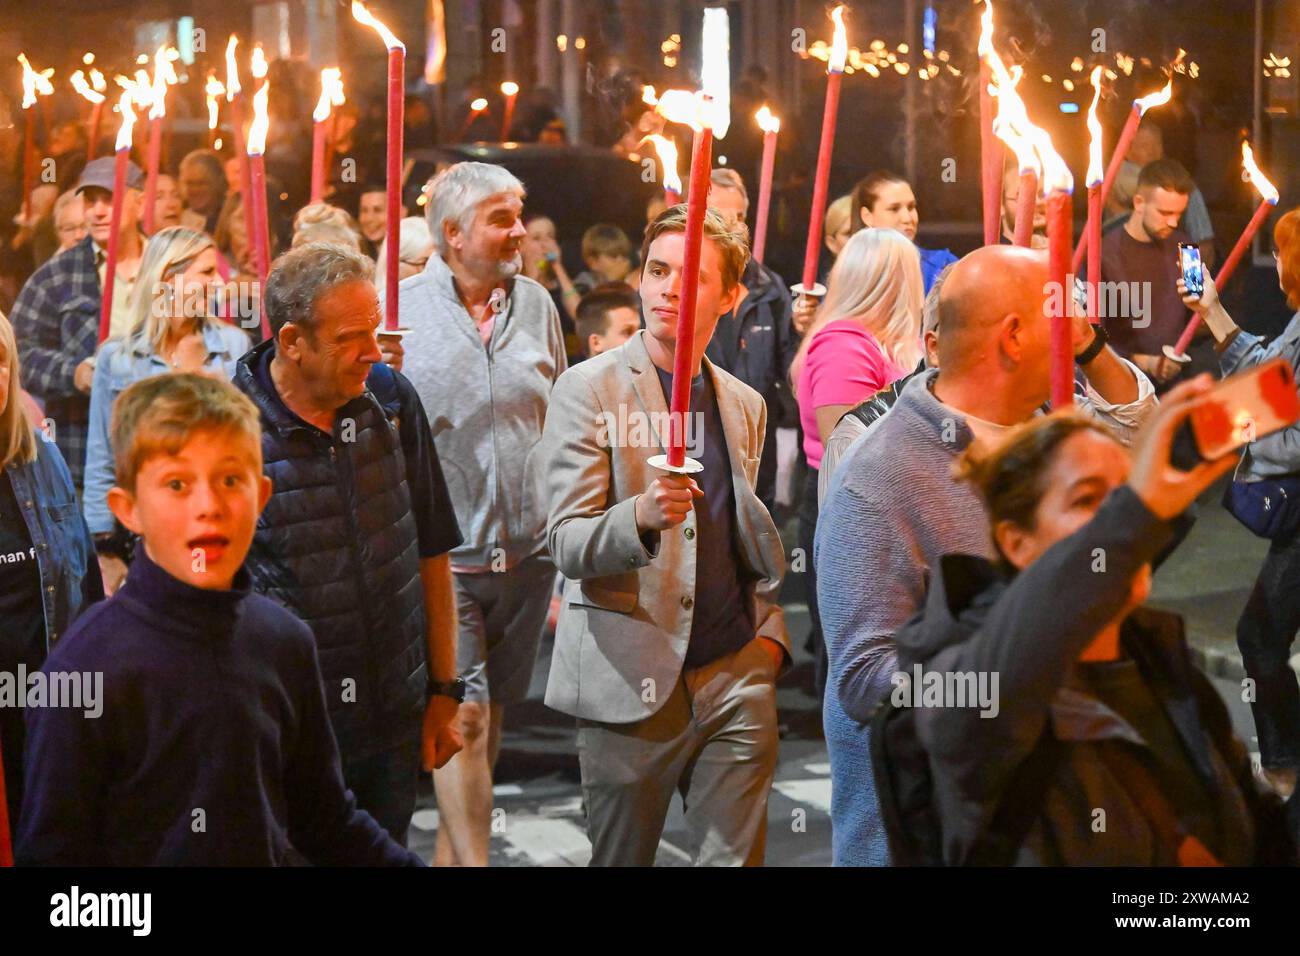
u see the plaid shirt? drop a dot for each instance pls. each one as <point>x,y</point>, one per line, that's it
<point>56,323</point>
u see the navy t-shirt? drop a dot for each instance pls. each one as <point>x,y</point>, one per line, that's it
<point>720,619</point>
<point>435,519</point>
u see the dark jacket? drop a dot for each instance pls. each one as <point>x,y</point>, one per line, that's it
<point>70,579</point>
<point>337,544</point>
<point>757,343</point>
<point>1030,631</point>
<point>56,323</point>
<point>210,747</point>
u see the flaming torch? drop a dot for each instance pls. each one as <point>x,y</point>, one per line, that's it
<point>236,103</point>
<point>213,91</point>
<point>396,106</point>
<point>1094,180</point>
<point>261,237</point>
<point>1269,197</point>
<point>34,84</point>
<point>834,74</point>
<point>696,111</point>
<point>990,154</point>
<point>96,100</point>
<point>331,93</point>
<point>163,74</point>
<point>667,151</point>
<point>120,159</point>
<point>1010,126</point>
<point>770,124</point>
<point>1058,185</point>
<point>1140,106</point>
<point>509,90</point>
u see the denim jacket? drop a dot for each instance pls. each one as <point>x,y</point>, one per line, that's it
<point>121,363</point>
<point>1278,454</point>
<point>70,580</point>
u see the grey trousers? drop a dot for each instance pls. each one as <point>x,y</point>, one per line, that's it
<point>714,741</point>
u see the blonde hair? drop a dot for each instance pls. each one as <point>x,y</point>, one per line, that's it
<point>837,215</point>
<point>17,430</point>
<point>158,415</point>
<point>876,282</point>
<point>321,222</point>
<point>168,253</point>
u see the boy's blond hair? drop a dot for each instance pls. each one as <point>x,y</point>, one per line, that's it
<point>604,239</point>
<point>159,415</point>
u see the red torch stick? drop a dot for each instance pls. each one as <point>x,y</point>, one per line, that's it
<point>1095,181</point>
<point>120,159</point>
<point>96,111</point>
<point>29,164</point>
<point>396,108</point>
<point>1026,205</point>
<point>151,176</point>
<point>990,149</point>
<point>236,103</point>
<point>1060,232</point>
<point>331,92</point>
<point>510,90</point>
<point>770,125</point>
<point>834,74</point>
<point>1270,196</point>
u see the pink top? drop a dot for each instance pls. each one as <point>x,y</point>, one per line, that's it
<point>844,365</point>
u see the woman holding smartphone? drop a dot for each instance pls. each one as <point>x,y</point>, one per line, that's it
<point>1269,622</point>
<point>1097,704</point>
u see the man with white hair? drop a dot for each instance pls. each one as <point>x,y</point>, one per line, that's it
<point>484,350</point>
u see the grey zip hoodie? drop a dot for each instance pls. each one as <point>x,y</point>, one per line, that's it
<point>486,406</point>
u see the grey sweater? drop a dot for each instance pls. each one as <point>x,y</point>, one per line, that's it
<point>486,406</point>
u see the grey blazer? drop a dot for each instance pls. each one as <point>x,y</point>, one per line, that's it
<point>625,617</point>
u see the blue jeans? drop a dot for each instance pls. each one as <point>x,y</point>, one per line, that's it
<point>385,786</point>
<point>1265,633</point>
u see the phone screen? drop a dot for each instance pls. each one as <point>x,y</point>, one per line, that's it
<point>1189,264</point>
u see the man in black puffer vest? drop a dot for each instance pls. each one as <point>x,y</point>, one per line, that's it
<point>355,537</point>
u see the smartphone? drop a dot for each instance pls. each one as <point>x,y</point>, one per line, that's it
<point>1240,409</point>
<point>1189,266</point>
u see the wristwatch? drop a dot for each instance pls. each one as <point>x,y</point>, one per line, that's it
<point>1099,340</point>
<point>455,689</point>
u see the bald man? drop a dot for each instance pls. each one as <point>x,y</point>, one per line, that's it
<point>893,507</point>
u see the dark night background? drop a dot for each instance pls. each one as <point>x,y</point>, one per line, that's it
<point>596,87</point>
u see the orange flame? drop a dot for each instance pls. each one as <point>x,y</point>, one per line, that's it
<point>362,15</point>
<point>768,121</point>
<point>164,75</point>
<point>213,90</point>
<point>257,63</point>
<point>1257,179</point>
<point>986,30</point>
<point>682,106</point>
<point>232,69</point>
<point>331,93</point>
<point>509,88</point>
<point>1095,173</point>
<point>839,43</point>
<point>1158,98</point>
<point>257,130</point>
<point>478,105</point>
<point>667,150</point>
<point>1012,121</point>
<point>97,80</point>
<point>81,86</point>
<point>128,120</point>
<point>34,83</point>
<point>648,96</point>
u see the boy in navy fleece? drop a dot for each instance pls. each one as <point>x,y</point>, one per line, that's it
<point>213,747</point>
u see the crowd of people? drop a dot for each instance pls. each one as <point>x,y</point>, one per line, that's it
<point>310,564</point>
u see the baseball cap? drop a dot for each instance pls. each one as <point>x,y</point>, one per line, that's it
<point>99,173</point>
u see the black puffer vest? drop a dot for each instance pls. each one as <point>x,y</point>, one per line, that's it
<point>337,545</point>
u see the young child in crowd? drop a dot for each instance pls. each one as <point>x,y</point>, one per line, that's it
<point>607,251</point>
<point>608,316</point>
<point>212,745</point>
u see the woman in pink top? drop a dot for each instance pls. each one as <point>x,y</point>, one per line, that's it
<point>866,334</point>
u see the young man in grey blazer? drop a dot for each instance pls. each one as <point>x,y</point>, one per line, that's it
<point>670,637</point>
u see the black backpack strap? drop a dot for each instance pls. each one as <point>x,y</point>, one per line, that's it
<point>1020,804</point>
